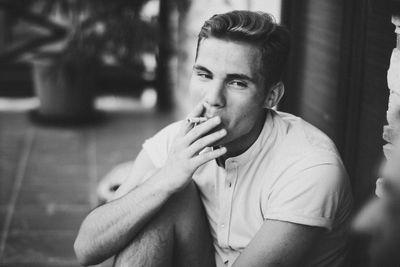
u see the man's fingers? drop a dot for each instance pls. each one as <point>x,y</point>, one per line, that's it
<point>201,130</point>
<point>209,155</point>
<point>197,120</point>
<point>205,141</point>
<point>187,125</point>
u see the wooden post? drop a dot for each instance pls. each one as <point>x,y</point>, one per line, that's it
<point>2,30</point>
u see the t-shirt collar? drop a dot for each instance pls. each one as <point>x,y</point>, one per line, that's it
<point>256,147</point>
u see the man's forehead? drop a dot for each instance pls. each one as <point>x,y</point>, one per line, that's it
<point>228,45</point>
<point>233,55</point>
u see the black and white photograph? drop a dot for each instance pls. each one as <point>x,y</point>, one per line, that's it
<point>200,133</point>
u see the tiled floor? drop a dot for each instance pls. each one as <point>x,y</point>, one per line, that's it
<point>48,177</point>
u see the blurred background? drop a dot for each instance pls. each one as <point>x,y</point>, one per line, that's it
<point>84,83</point>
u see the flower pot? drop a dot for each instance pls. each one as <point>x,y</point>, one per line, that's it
<point>64,88</point>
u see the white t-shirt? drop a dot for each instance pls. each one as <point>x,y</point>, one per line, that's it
<point>292,173</point>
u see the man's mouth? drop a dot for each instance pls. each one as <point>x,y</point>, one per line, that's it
<point>210,114</point>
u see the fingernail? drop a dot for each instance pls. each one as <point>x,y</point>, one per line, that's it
<point>206,105</point>
<point>223,132</point>
<point>197,119</point>
<point>217,119</point>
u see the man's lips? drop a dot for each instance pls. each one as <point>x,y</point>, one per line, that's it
<point>211,113</point>
<point>210,116</point>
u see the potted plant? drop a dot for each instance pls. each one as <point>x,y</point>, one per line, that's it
<point>70,40</point>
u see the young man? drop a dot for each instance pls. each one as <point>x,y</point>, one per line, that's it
<point>273,188</point>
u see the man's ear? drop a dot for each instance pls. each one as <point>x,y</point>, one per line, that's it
<point>274,95</point>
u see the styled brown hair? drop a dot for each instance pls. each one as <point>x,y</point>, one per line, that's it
<point>255,28</point>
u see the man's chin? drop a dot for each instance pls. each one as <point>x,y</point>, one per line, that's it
<point>215,129</point>
<point>219,143</point>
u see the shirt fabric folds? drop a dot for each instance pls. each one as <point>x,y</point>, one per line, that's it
<point>291,173</point>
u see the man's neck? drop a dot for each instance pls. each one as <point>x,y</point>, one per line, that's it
<point>239,146</point>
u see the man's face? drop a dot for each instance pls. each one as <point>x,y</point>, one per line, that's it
<point>227,79</point>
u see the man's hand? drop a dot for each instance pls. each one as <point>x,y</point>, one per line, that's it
<point>184,157</point>
<point>109,228</point>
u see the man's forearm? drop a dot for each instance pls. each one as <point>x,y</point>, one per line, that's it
<point>109,228</point>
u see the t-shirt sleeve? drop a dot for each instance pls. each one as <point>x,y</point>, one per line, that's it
<point>157,147</point>
<point>310,196</point>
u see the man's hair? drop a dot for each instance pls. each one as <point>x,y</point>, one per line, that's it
<point>256,28</point>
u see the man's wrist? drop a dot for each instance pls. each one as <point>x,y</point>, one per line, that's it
<point>167,187</point>
<point>167,182</point>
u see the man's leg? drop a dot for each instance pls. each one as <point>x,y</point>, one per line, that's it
<point>177,236</point>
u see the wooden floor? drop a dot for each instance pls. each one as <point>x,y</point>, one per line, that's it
<point>48,177</point>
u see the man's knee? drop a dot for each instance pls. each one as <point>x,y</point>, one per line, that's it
<point>153,246</point>
<point>180,225</point>
<point>185,213</point>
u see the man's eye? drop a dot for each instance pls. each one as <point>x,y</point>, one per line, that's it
<point>238,84</point>
<point>203,75</point>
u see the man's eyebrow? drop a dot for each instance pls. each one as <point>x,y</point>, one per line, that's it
<point>201,68</point>
<point>240,77</point>
<point>229,76</point>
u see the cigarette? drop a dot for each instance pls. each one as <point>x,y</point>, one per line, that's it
<point>197,120</point>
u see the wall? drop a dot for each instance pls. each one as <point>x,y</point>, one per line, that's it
<point>379,42</point>
<point>336,79</point>
<point>314,63</point>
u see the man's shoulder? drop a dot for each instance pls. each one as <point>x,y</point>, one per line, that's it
<point>167,132</point>
<point>302,146</point>
<point>158,145</point>
<point>304,138</point>
<point>171,128</point>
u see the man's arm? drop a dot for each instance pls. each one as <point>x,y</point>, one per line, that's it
<point>315,191</point>
<point>109,228</point>
<point>279,243</point>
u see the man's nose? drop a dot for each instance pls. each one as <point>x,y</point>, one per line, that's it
<point>215,94</point>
